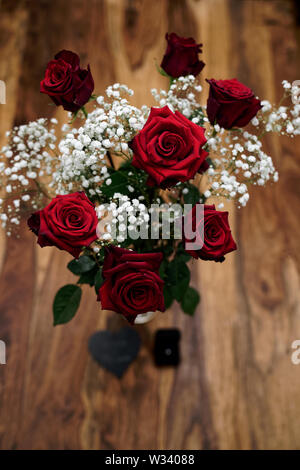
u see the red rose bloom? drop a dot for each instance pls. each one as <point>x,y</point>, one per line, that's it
<point>68,222</point>
<point>169,148</point>
<point>181,56</point>
<point>132,284</point>
<point>215,229</point>
<point>230,103</point>
<point>66,83</point>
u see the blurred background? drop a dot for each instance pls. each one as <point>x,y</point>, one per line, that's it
<point>236,387</point>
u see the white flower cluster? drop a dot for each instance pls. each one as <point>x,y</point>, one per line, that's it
<point>282,119</point>
<point>239,161</point>
<point>121,216</point>
<point>30,165</point>
<point>83,151</point>
<point>182,96</point>
<point>238,158</point>
<point>24,161</point>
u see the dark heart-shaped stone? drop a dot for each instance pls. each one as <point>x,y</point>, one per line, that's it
<point>115,351</point>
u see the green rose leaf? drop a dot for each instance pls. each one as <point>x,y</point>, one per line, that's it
<point>98,280</point>
<point>81,265</point>
<point>162,72</point>
<point>210,162</point>
<point>66,303</point>
<point>178,278</point>
<point>119,184</point>
<point>185,257</point>
<point>168,296</point>
<point>163,267</point>
<point>88,278</point>
<point>181,254</point>
<point>192,196</point>
<point>190,301</point>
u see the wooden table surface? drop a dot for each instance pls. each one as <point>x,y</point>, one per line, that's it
<point>236,387</point>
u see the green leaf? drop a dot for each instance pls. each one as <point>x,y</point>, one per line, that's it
<point>74,116</point>
<point>193,195</point>
<point>126,166</point>
<point>93,97</point>
<point>190,301</point>
<point>101,254</point>
<point>66,303</point>
<point>178,278</point>
<point>168,249</point>
<point>98,280</point>
<point>119,184</point>
<point>126,243</point>
<point>181,254</point>
<point>163,267</point>
<point>161,71</point>
<point>88,278</point>
<point>168,297</point>
<point>81,265</point>
<point>210,162</point>
<point>84,111</point>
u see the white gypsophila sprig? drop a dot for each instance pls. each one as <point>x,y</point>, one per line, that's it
<point>182,96</point>
<point>237,161</point>
<point>28,158</point>
<point>238,156</point>
<point>284,120</point>
<point>109,128</point>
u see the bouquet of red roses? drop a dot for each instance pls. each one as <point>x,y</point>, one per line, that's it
<point>125,191</point>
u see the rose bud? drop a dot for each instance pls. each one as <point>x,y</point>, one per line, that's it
<point>214,231</point>
<point>169,148</point>
<point>181,56</point>
<point>69,222</point>
<point>231,104</point>
<point>66,83</point>
<point>132,284</point>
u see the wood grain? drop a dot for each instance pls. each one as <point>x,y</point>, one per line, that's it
<point>236,387</point>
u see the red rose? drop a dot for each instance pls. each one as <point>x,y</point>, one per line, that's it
<point>230,103</point>
<point>66,83</point>
<point>68,222</point>
<point>214,227</point>
<point>131,282</point>
<point>169,148</point>
<point>181,56</point>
